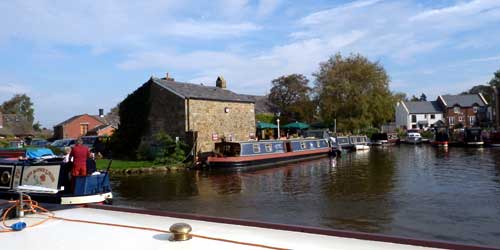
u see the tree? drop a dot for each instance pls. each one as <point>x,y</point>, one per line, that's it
<point>414,99</point>
<point>355,92</point>
<point>485,90</point>
<point>495,81</point>
<point>423,98</point>
<point>19,104</point>
<point>398,96</point>
<point>290,96</point>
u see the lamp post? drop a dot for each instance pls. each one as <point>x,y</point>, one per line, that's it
<point>278,122</point>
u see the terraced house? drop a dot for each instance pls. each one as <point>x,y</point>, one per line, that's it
<point>448,110</point>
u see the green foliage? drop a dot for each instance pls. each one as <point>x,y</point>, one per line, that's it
<point>354,91</point>
<point>495,81</point>
<point>37,127</point>
<point>401,132</point>
<point>162,150</point>
<point>427,134</point>
<point>290,95</point>
<point>4,143</point>
<point>423,98</point>
<point>119,164</point>
<point>19,104</point>
<point>369,131</point>
<point>134,112</point>
<point>485,90</point>
<point>264,117</point>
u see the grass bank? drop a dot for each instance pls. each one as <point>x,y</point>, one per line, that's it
<point>120,164</point>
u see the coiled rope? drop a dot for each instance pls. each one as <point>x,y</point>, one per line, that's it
<point>33,207</point>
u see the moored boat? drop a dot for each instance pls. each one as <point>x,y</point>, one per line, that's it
<point>360,142</point>
<point>473,138</point>
<point>128,228</point>
<point>493,139</point>
<point>46,178</point>
<point>247,153</point>
<point>441,139</point>
<point>384,139</point>
<point>414,138</point>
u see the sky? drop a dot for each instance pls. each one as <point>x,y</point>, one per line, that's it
<point>74,57</point>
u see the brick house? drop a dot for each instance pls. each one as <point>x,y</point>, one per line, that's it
<point>79,125</point>
<point>183,109</point>
<point>464,110</point>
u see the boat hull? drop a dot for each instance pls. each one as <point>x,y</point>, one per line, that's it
<point>269,159</point>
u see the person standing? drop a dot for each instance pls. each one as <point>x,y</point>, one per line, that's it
<point>80,154</point>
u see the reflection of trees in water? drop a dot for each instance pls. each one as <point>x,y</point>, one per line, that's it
<point>496,157</point>
<point>156,187</point>
<point>357,196</point>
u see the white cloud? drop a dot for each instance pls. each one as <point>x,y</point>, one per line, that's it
<point>208,30</point>
<point>12,89</point>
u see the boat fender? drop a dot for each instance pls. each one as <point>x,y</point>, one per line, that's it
<point>18,226</point>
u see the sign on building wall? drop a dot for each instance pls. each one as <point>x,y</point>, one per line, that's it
<point>215,137</point>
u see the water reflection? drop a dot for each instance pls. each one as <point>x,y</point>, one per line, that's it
<point>423,192</point>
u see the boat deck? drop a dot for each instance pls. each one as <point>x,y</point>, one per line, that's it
<point>62,234</point>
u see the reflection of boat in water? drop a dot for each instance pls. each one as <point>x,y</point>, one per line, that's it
<point>236,154</point>
<point>493,139</point>
<point>127,228</point>
<point>441,139</point>
<point>42,175</point>
<point>468,137</point>
<point>359,142</point>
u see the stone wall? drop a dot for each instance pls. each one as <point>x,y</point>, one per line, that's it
<point>167,113</point>
<point>232,120</point>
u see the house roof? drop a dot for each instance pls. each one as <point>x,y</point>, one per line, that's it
<point>463,100</point>
<point>17,125</point>
<point>423,107</point>
<point>100,127</point>
<point>196,91</point>
<point>101,119</point>
<point>262,104</point>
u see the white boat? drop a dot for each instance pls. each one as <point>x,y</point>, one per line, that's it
<point>359,142</point>
<point>106,227</point>
<point>414,138</point>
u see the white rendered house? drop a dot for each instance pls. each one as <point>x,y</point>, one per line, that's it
<point>418,115</point>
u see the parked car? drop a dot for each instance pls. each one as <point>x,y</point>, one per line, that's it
<point>62,143</point>
<point>40,143</point>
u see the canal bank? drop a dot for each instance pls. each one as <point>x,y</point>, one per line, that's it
<point>413,191</point>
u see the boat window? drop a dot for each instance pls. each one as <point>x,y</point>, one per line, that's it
<point>318,144</point>
<point>269,147</point>
<point>303,145</point>
<point>256,148</point>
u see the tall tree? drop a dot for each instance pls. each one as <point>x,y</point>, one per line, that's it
<point>485,90</point>
<point>290,96</point>
<point>495,81</point>
<point>354,91</point>
<point>19,104</point>
<point>414,99</point>
<point>423,98</point>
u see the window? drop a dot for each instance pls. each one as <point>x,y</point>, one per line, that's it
<point>475,109</point>
<point>425,116</point>
<point>256,148</point>
<point>456,110</point>
<point>413,126</point>
<point>302,145</point>
<point>472,120</point>
<point>84,128</point>
<point>318,144</point>
<point>433,116</point>
<point>460,119</point>
<point>269,147</point>
<point>451,120</point>
<point>413,118</point>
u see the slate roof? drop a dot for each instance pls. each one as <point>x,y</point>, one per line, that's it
<point>463,100</point>
<point>262,104</point>
<point>197,91</point>
<point>423,107</point>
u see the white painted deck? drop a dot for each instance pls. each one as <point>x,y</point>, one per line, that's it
<point>58,234</point>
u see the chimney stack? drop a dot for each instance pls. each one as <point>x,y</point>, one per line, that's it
<point>168,78</point>
<point>101,113</point>
<point>220,83</point>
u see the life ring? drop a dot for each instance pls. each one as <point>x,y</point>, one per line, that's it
<point>5,178</point>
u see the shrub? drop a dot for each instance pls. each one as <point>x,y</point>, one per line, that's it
<point>162,150</point>
<point>369,131</point>
<point>427,134</point>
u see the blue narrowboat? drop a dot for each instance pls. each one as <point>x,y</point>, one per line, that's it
<point>251,153</point>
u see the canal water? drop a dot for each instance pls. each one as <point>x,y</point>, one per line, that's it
<point>412,191</point>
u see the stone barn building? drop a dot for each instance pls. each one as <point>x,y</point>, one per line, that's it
<point>187,111</point>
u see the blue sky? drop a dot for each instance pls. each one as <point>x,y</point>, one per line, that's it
<point>73,57</point>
